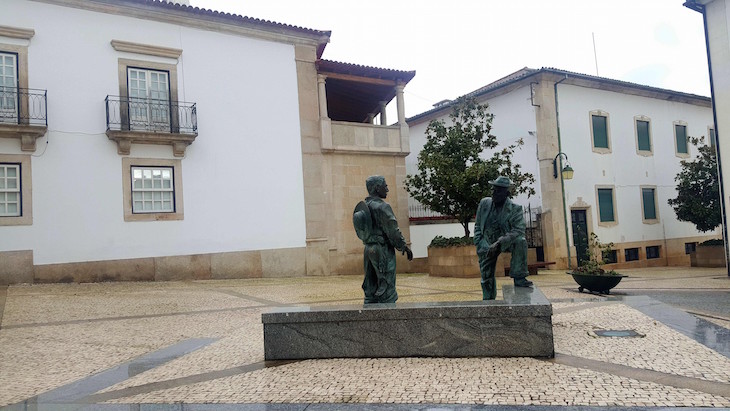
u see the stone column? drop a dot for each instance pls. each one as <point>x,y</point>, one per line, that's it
<point>316,138</point>
<point>400,102</point>
<point>405,144</point>
<point>383,118</point>
<point>325,124</point>
<point>554,241</point>
<point>322,91</point>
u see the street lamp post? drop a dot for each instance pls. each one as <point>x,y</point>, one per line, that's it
<point>567,171</point>
<point>565,174</point>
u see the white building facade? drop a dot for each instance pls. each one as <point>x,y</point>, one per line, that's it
<point>716,15</point>
<point>625,142</point>
<point>149,141</point>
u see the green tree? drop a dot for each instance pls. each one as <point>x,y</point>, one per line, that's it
<point>452,175</point>
<point>698,192</point>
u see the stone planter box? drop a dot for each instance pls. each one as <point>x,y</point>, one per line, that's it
<point>461,262</point>
<point>708,256</point>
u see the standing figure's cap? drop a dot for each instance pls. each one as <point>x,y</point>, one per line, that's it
<point>501,181</point>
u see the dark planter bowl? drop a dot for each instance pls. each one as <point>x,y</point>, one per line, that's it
<point>597,283</point>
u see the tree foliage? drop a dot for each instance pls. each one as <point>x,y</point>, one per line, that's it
<point>453,170</point>
<point>698,192</point>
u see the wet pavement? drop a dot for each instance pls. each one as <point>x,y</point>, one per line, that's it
<point>198,345</point>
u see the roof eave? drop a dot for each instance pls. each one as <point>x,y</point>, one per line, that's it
<point>201,18</point>
<point>577,79</point>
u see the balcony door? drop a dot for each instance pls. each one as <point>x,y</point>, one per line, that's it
<point>149,99</point>
<point>8,88</point>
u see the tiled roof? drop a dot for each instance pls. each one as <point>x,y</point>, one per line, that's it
<point>364,71</point>
<point>229,17</point>
<point>528,72</point>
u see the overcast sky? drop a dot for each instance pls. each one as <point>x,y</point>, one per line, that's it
<point>458,46</point>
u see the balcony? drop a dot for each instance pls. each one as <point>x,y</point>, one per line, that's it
<point>23,115</point>
<point>150,121</point>
<point>350,98</point>
<point>366,138</point>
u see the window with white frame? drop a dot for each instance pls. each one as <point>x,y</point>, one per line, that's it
<point>16,190</point>
<point>149,99</point>
<point>153,190</point>
<point>8,87</point>
<point>10,195</point>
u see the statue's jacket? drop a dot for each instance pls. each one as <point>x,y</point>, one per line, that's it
<point>490,224</point>
<point>385,226</point>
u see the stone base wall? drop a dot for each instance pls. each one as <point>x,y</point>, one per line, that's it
<point>349,172</point>
<point>463,261</point>
<point>17,267</point>
<point>419,265</point>
<point>671,253</point>
<point>708,256</point>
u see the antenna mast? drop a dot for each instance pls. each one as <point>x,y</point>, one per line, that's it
<point>595,55</point>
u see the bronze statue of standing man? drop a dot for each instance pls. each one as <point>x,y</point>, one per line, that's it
<point>500,227</point>
<point>377,227</point>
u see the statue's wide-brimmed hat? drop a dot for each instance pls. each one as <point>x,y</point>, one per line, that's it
<point>362,220</point>
<point>501,181</point>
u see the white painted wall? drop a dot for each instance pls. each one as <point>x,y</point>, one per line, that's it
<point>624,168</point>
<point>514,118</point>
<point>422,232</point>
<point>242,177</point>
<point>717,14</point>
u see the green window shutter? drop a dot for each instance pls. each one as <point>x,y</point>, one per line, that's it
<point>600,131</point>
<point>647,194</point>
<point>681,133</point>
<point>712,137</point>
<point>642,134</point>
<point>605,204</point>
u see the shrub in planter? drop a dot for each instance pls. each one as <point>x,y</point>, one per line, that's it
<point>590,275</point>
<point>441,241</point>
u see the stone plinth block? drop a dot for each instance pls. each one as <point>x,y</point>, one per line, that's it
<point>518,326</point>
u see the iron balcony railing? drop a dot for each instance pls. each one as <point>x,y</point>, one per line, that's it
<point>23,106</point>
<point>419,211</point>
<point>145,114</point>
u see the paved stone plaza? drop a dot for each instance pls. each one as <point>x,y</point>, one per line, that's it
<point>109,345</point>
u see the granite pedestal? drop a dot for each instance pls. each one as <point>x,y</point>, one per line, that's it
<point>518,326</point>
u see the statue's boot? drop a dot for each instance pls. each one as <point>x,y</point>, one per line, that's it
<point>522,282</point>
<point>488,291</point>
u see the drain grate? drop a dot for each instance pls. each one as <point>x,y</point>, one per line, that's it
<point>616,333</point>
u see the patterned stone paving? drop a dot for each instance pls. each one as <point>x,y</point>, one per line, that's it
<point>53,335</point>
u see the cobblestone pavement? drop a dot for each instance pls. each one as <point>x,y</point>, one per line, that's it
<point>201,342</point>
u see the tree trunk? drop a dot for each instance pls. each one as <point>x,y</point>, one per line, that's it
<point>466,228</point>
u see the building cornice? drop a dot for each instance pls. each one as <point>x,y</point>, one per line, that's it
<point>146,49</point>
<point>16,32</point>
<point>200,19</point>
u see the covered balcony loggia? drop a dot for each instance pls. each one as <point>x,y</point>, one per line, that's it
<point>351,98</point>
